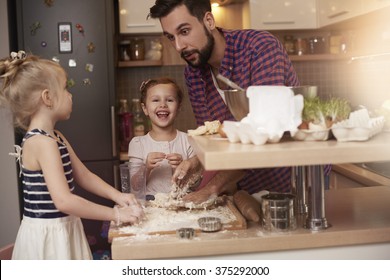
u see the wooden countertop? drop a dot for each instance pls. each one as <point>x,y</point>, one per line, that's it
<point>217,154</point>
<point>357,216</point>
<point>361,175</point>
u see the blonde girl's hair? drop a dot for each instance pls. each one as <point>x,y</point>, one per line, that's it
<point>21,82</point>
<point>146,85</point>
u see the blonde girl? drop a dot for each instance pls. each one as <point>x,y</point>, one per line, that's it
<point>35,90</point>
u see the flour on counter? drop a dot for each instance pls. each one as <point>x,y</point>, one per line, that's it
<point>165,200</point>
<point>164,220</point>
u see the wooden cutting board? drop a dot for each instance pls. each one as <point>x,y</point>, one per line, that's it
<point>168,221</point>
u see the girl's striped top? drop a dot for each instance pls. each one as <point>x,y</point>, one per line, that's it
<point>37,200</point>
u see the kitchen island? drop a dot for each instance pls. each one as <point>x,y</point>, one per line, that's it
<point>360,229</point>
<point>359,217</point>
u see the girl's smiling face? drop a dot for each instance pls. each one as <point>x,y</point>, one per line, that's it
<point>161,105</point>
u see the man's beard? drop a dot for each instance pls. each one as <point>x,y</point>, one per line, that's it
<point>203,54</point>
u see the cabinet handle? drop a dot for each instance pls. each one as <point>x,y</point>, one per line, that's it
<point>278,22</point>
<point>113,132</point>
<point>338,14</point>
<point>116,177</point>
<point>133,25</point>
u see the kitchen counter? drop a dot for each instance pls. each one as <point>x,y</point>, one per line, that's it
<point>361,175</point>
<point>359,216</point>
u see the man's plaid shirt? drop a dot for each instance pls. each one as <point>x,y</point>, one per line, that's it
<point>251,58</point>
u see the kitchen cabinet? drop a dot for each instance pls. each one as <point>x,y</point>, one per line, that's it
<point>133,17</point>
<point>282,15</point>
<point>372,5</point>
<point>334,11</point>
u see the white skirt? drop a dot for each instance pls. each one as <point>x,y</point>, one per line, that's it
<point>51,239</point>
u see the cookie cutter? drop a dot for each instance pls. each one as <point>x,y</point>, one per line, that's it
<point>210,224</point>
<point>185,233</point>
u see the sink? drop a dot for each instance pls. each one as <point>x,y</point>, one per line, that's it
<point>380,167</point>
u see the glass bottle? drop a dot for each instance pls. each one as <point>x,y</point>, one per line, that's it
<point>137,49</point>
<point>125,125</point>
<point>124,49</point>
<point>139,120</point>
<point>289,44</point>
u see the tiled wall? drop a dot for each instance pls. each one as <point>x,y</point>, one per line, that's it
<point>363,82</point>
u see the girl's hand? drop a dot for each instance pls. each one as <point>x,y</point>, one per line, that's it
<point>130,214</point>
<point>174,160</point>
<point>153,159</point>
<point>126,199</point>
<point>187,169</point>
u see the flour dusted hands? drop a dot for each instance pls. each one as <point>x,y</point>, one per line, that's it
<point>155,158</point>
<point>130,214</point>
<point>174,160</point>
<point>128,210</point>
<point>126,199</point>
<point>188,173</point>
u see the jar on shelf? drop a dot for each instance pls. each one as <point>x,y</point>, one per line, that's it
<point>137,49</point>
<point>124,48</point>
<point>139,120</point>
<point>289,44</point>
<point>301,46</point>
<point>125,125</point>
<point>317,45</point>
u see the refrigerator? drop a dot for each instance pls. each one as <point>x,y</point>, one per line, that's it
<point>79,34</point>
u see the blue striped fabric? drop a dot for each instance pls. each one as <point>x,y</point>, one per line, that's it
<point>251,57</point>
<point>37,200</point>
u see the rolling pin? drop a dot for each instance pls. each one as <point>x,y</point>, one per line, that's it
<point>249,207</point>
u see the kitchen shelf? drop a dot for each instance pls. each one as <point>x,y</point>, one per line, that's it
<point>308,57</point>
<point>216,153</point>
<point>123,156</point>
<point>140,63</point>
<point>320,57</point>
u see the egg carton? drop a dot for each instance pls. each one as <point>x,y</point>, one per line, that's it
<point>346,131</point>
<point>245,133</point>
<point>311,135</point>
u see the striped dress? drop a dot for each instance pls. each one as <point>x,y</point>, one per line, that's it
<point>46,232</point>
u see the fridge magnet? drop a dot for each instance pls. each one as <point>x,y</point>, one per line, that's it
<point>72,63</point>
<point>91,47</point>
<point>55,59</point>
<point>89,67</point>
<point>80,28</point>
<point>65,37</point>
<point>49,3</point>
<point>86,82</point>
<point>70,83</point>
<point>43,44</point>
<point>34,27</point>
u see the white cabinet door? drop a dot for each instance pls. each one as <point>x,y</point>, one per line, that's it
<point>372,5</point>
<point>133,17</point>
<point>282,15</point>
<point>333,11</point>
